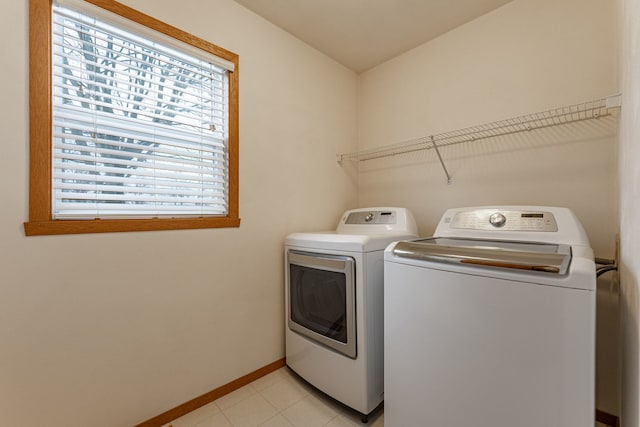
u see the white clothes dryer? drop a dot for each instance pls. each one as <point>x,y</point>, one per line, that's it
<point>334,304</point>
<point>491,323</point>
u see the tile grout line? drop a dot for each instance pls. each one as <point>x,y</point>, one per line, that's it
<point>280,411</point>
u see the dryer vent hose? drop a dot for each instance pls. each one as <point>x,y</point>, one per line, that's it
<point>604,265</point>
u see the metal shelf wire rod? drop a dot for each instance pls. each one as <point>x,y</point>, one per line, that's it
<point>544,119</point>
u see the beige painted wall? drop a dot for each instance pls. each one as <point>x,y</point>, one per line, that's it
<point>109,330</point>
<point>630,212</point>
<point>525,57</point>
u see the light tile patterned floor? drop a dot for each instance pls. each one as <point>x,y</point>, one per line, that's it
<point>278,399</point>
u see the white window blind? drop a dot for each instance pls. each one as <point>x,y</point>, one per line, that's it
<point>140,129</point>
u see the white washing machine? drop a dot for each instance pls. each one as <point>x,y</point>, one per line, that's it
<point>334,304</point>
<point>491,323</point>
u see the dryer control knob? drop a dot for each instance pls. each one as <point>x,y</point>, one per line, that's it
<point>497,219</point>
<point>369,217</point>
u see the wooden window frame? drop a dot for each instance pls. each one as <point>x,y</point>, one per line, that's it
<point>41,221</point>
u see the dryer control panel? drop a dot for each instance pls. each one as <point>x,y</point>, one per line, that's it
<point>371,217</point>
<point>512,220</point>
<point>379,220</point>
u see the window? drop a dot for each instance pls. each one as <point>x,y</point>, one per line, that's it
<point>134,123</point>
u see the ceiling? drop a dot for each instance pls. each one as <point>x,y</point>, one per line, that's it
<point>361,34</point>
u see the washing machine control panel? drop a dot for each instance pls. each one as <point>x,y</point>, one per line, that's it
<point>491,219</point>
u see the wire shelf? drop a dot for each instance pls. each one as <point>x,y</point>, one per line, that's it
<point>554,117</point>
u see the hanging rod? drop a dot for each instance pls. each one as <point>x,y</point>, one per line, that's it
<point>554,117</point>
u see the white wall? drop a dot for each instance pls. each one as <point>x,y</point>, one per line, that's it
<point>630,211</point>
<point>109,330</point>
<point>525,57</point>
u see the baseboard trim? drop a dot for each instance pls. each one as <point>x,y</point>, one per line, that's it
<point>210,396</point>
<point>607,418</point>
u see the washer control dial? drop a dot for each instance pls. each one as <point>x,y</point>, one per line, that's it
<point>497,219</point>
<point>369,217</point>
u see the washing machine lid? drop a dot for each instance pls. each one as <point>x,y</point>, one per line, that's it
<point>544,258</point>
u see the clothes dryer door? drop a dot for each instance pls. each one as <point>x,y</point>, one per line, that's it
<point>321,291</point>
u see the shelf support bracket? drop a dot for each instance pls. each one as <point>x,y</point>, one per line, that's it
<point>435,147</point>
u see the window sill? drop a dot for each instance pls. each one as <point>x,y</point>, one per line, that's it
<point>43,228</point>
